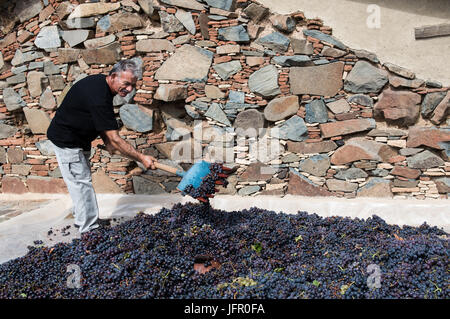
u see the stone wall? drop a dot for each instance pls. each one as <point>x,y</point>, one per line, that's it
<point>295,108</point>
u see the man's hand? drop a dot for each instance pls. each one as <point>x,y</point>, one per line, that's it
<point>148,161</point>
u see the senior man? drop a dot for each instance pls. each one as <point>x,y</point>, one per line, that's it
<point>86,113</point>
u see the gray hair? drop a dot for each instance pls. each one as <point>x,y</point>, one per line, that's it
<point>127,65</point>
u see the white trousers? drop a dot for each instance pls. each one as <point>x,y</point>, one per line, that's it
<point>76,172</point>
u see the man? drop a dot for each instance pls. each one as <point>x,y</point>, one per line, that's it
<point>85,113</point>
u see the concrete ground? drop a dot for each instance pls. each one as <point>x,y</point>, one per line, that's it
<point>38,213</point>
<point>355,23</point>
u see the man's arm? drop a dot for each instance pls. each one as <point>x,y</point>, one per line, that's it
<point>114,142</point>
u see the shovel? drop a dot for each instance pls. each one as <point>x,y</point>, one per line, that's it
<point>194,176</point>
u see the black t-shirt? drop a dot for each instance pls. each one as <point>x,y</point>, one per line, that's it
<point>86,110</point>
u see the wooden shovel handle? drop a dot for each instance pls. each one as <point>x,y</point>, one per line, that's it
<point>166,168</point>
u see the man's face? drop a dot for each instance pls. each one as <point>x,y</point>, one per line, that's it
<point>122,83</point>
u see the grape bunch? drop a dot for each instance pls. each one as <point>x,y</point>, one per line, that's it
<point>253,253</point>
<point>207,188</point>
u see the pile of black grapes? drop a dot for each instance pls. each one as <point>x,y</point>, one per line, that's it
<point>252,253</point>
<point>207,188</point>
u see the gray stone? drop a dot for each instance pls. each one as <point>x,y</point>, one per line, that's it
<point>93,9</point>
<point>67,55</point>
<point>74,37</point>
<point>249,123</point>
<point>283,22</point>
<point>265,81</point>
<point>316,165</point>
<point>361,99</point>
<point>410,151</point>
<point>236,97</point>
<point>45,147</point>
<point>295,60</point>
<point>183,39</point>
<point>119,100</point>
<point>365,78</point>
<point>228,5</point>
<point>56,82</point>
<point>227,69</point>
<point>50,68</point>
<point>171,92</point>
<point>187,4</point>
<point>170,23</point>
<point>363,54</point>
<point>290,158</point>
<point>256,12</point>
<point>216,113</point>
<point>375,187</point>
<point>351,173</point>
<point>12,99</point>
<point>47,100</point>
<point>339,106</point>
<point>256,171</point>
<point>425,159</point>
<point>275,41</point>
<point>316,112</point>
<point>80,23</point>
<point>430,102</point>
<point>321,62</point>
<point>305,80</point>
<point>406,184</point>
<point>7,131</point>
<point>48,38</point>
<point>235,33</point>
<point>301,46</point>
<point>56,173</point>
<point>27,9</point>
<point>433,84</point>
<point>25,57</point>
<point>18,70</point>
<point>214,92</point>
<point>332,52</point>
<point>280,108</point>
<point>142,185</point>
<point>325,38</point>
<point>311,148</point>
<point>400,71</point>
<point>37,119</point>
<point>248,190</point>
<point>21,169</point>
<point>109,54</point>
<point>136,119</point>
<point>2,152</point>
<point>35,65</point>
<point>379,172</point>
<point>443,185</point>
<point>341,186</point>
<point>124,21</point>
<point>154,45</point>
<point>16,79</point>
<point>397,81</point>
<point>188,63</point>
<point>390,132</point>
<point>104,23</point>
<point>186,19</point>
<point>293,129</point>
<point>100,42</point>
<point>34,80</point>
<point>147,7</point>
